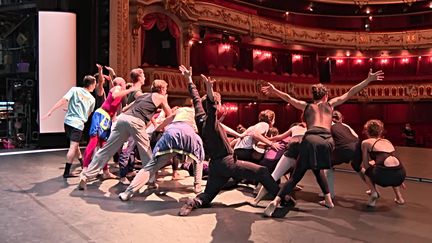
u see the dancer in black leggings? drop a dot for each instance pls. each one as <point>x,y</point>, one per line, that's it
<point>223,166</point>
<point>317,144</point>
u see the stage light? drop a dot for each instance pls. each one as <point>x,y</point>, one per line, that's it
<point>384,61</point>
<point>339,61</point>
<point>368,11</point>
<point>296,58</point>
<point>359,61</point>
<point>405,60</point>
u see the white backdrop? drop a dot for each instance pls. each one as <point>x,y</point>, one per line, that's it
<point>57,65</point>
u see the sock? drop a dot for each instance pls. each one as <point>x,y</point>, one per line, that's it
<point>81,161</point>
<point>67,168</point>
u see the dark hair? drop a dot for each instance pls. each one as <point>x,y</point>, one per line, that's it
<point>240,128</point>
<point>266,116</point>
<point>318,91</point>
<point>337,116</point>
<point>135,74</point>
<point>88,80</point>
<point>373,128</point>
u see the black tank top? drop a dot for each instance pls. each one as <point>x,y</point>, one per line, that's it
<point>380,156</point>
<point>342,135</point>
<point>143,108</point>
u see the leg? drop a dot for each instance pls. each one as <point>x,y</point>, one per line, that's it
<point>118,136</point>
<point>124,158</point>
<point>144,174</point>
<point>374,193</point>
<point>287,188</point>
<point>198,172</point>
<point>284,164</point>
<point>329,175</point>
<point>88,153</point>
<point>70,156</point>
<point>399,199</point>
<point>322,182</point>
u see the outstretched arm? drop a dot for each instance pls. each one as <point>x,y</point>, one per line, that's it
<point>270,89</point>
<point>193,92</point>
<point>379,75</point>
<point>59,103</point>
<point>230,131</point>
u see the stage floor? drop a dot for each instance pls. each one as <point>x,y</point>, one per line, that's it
<point>38,205</point>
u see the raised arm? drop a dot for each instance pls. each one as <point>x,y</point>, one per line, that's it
<point>100,82</point>
<point>209,86</point>
<point>379,75</point>
<point>112,75</point>
<point>270,89</point>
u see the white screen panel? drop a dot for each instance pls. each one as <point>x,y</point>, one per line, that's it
<point>57,65</point>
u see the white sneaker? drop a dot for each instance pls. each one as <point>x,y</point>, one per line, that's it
<point>126,195</point>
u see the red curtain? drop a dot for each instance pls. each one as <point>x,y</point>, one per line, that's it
<point>162,21</point>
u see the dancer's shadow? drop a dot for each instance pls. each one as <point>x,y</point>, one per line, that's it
<point>46,188</point>
<point>139,203</point>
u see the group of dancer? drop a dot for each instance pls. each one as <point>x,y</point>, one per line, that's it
<point>320,141</point>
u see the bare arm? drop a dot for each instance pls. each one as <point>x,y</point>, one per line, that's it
<point>209,86</point>
<point>165,122</point>
<point>111,74</point>
<point>230,131</point>
<point>281,136</point>
<point>165,107</point>
<point>117,92</point>
<point>379,75</point>
<point>260,138</point>
<point>100,82</point>
<point>59,103</point>
<point>271,89</point>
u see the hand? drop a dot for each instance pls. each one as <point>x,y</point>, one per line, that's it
<point>270,88</point>
<point>185,72</point>
<point>110,70</point>
<point>208,80</point>
<point>99,67</point>
<point>46,115</point>
<point>379,75</point>
<point>276,146</point>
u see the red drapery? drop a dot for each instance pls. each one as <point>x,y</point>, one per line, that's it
<point>162,21</point>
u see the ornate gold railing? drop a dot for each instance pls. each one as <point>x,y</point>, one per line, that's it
<point>249,89</point>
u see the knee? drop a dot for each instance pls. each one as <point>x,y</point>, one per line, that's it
<point>262,171</point>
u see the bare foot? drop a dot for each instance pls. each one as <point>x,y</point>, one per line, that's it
<point>197,188</point>
<point>399,201</point>
<point>325,204</point>
<point>176,176</point>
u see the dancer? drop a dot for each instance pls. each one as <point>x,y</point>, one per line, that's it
<point>317,144</point>
<point>80,104</point>
<point>380,164</point>
<point>179,138</point>
<point>288,159</point>
<point>347,148</point>
<point>132,122</point>
<point>102,120</point>
<point>127,155</point>
<point>244,149</point>
<point>222,164</point>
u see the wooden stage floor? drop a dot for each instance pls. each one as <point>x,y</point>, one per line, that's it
<point>38,205</point>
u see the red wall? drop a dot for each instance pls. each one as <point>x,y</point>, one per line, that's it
<point>394,116</point>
